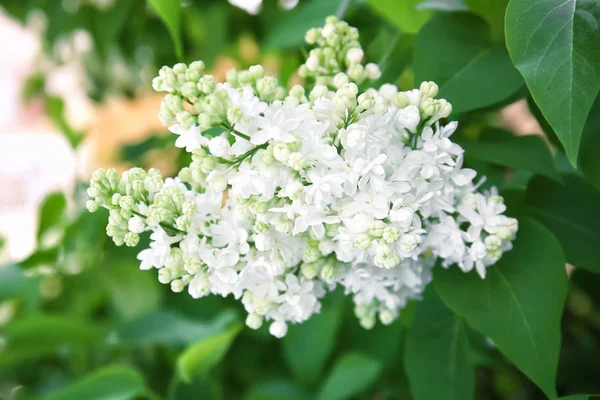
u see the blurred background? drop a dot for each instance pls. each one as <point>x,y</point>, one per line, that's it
<point>76,311</point>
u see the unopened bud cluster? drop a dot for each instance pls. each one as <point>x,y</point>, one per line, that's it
<point>290,194</point>
<point>337,57</point>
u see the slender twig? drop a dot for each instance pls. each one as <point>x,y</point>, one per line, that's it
<point>342,8</point>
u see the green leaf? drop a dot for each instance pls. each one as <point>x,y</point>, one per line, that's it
<point>12,281</point>
<point>291,27</point>
<point>45,257</point>
<point>198,389</point>
<point>205,354</point>
<point>169,12</point>
<point>318,334</point>
<point>405,15</point>
<point>579,397</point>
<point>382,342</point>
<point>493,12</point>
<point>277,390</point>
<point>519,304</point>
<point>497,146</point>
<point>116,382</point>
<point>52,214</point>
<point>590,146</point>
<point>55,110</point>
<point>352,374</point>
<point>454,50</point>
<point>40,335</point>
<point>570,211</point>
<point>437,358</point>
<point>554,43</point>
<point>169,328</point>
<point>393,53</point>
<point>133,292</point>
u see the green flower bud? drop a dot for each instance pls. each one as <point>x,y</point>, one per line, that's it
<point>310,269</point>
<point>390,234</point>
<point>131,239</point>
<point>377,228</point>
<point>363,241</point>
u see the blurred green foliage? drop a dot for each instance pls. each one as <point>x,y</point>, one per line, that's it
<point>81,321</point>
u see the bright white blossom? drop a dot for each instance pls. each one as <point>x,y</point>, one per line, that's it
<point>290,195</point>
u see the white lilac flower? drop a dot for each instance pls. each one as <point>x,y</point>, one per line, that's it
<point>287,197</point>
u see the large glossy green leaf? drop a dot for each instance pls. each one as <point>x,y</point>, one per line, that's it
<point>116,382</point>
<point>406,14</point>
<point>498,146</point>
<point>590,146</point>
<point>169,328</point>
<point>206,353</point>
<point>319,335</point>
<point>436,354</point>
<point>169,12</point>
<point>40,335</point>
<point>351,374</point>
<point>455,51</point>
<point>554,43</point>
<point>570,211</point>
<point>519,304</point>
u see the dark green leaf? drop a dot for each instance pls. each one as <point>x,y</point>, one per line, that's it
<point>570,211</point>
<point>579,397</point>
<point>590,146</point>
<point>198,389</point>
<point>165,327</point>
<point>40,335</point>
<point>116,382</point>
<point>454,50</point>
<point>205,354</point>
<point>277,390</point>
<point>519,304</point>
<point>498,146</point>
<point>493,12</point>
<point>554,43</point>
<point>382,342</point>
<point>406,15</point>
<point>352,374</point>
<point>319,335</point>
<point>169,12</point>
<point>437,358</point>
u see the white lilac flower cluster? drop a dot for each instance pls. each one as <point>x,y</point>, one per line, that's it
<point>290,195</point>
